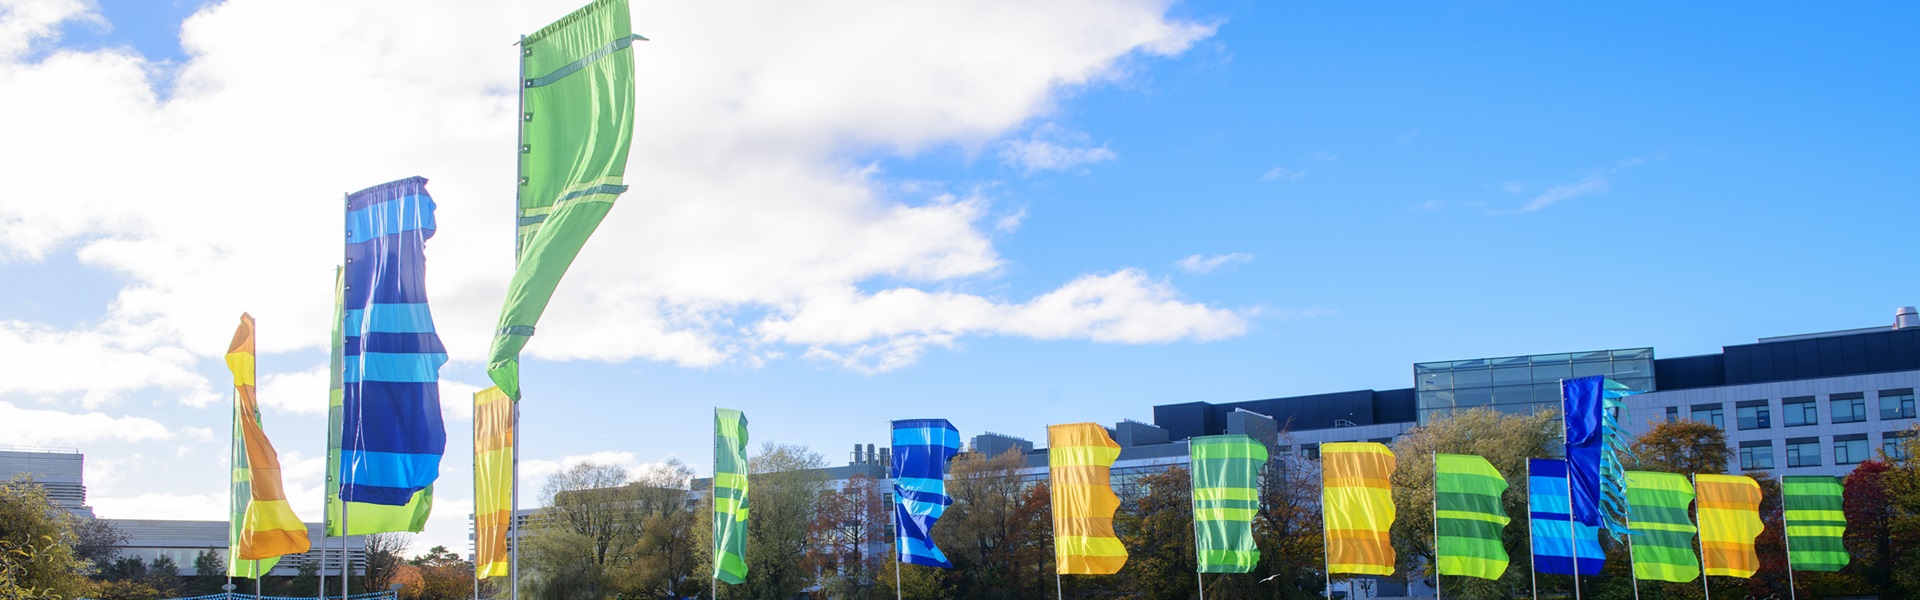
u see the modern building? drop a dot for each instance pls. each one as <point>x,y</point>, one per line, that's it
<point>61,471</point>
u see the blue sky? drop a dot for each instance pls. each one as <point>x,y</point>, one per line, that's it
<point>1309,198</point>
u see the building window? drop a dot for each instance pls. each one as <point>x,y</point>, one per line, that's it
<point>1756,456</point>
<point>1310,451</point>
<point>1711,414</point>
<point>1849,449</point>
<point>1894,444</point>
<point>1848,408</point>
<point>1673,414</point>
<point>1799,412</point>
<point>1896,404</point>
<point>1755,414</point>
<point>1803,452</point>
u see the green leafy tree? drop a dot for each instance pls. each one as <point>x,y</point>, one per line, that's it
<point>1506,441</point>
<point>1157,529</point>
<point>784,480</point>
<point>209,573</point>
<point>37,559</point>
<point>662,556</point>
<point>1685,447</point>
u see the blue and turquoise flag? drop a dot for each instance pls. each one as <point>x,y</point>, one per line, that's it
<point>1594,444</point>
<point>1552,524</point>
<point>921,449</point>
<point>391,435</point>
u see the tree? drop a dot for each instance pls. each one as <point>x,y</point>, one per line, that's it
<point>848,524</point>
<point>1157,529</point>
<point>98,542</point>
<point>1686,447</point>
<point>996,533</point>
<point>437,575</point>
<point>385,552</point>
<point>36,554</point>
<point>209,573</point>
<point>1506,441</point>
<point>1870,517</point>
<point>664,552</point>
<point>784,481</point>
<point>583,533</point>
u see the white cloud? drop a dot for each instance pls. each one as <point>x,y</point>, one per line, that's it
<point>95,365</point>
<point>1278,173</point>
<point>1208,264</point>
<point>298,393</point>
<point>22,22</point>
<point>1589,185</point>
<point>1053,148</point>
<point>747,196</point>
<point>34,427</point>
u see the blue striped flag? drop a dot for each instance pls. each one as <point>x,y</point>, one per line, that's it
<point>391,432</point>
<point>921,449</point>
<point>1552,522</point>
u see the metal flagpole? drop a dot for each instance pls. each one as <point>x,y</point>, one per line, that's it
<point>476,511</point>
<point>1573,522</point>
<point>1707,590</point>
<point>1792,594</point>
<point>519,172</point>
<point>1533,574</point>
<point>1326,539</point>
<point>893,513</point>
<point>1199,579</point>
<point>713,494</point>
<point>233,554</point>
<point>513,512</point>
<point>1436,526</point>
<point>1635,577</point>
<point>1053,497</point>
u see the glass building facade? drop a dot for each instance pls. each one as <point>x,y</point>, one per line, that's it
<point>1522,384</point>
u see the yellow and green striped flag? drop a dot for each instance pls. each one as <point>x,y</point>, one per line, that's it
<point>1662,533</point>
<point>1079,461</point>
<point>1815,523</point>
<point>1469,516</point>
<point>1729,522</point>
<point>1225,470</point>
<point>1356,502</point>
<point>729,496</point>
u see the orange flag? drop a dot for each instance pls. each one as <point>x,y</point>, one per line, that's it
<point>1729,522</point>
<point>268,527</point>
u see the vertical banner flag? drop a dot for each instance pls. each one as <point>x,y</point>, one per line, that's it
<point>392,435</point>
<point>729,496</point>
<point>268,527</point>
<point>1729,522</point>
<point>492,481</point>
<point>921,449</point>
<point>1815,523</point>
<point>1079,461</point>
<point>1471,518</point>
<point>1357,507</point>
<point>364,518</point>
<point>1662,535</point>
<point>1553,528</point>
<point>1591,406</point>
<point>1225,469</point>
<point>576,125</point>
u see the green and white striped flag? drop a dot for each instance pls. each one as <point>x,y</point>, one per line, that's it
<point>1815,523</point>
<point>1469,517</point>
<point>729,496</point>
<point>1225,497</point>
<point>1663,546</point>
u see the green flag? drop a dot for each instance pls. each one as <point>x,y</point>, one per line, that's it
<point>1225,469</point>
<point>1470,518</point>
<point>1815,523</point>
<point>1662,538</point>
<point>362,517</point>
<point>576,125</point>
<point>729,496</point>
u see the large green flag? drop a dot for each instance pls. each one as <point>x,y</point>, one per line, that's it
<point>576,125</point>
<point>1662,540</point>
<point>729,496</point>
<point>1225,497</point>
<point>1815,523</point>
<point>363,518</point>
<point>1469,516</point>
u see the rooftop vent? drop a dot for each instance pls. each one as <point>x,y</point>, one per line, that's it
<point>1906,318</point>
